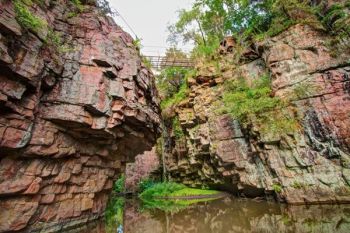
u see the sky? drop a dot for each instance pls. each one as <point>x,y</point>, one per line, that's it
<point>149,20</point>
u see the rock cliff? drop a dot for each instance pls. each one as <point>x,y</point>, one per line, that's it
<point>308,165</point>
<point>146,166</point>
<point>76,103</point>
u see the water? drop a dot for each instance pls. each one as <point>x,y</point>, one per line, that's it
<point>228,215</point>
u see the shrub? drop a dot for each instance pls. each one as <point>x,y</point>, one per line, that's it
<point>54,38</point>
<point>177,130</point>
<point>176,98</point>
<point>337,21</point>
<point>241,100</point>
<point>146,62</point>
<point>145,184</point>
<point>170,80</point>
<point>277,188</point>
<point>255,104</point>
<point>119,185</point>
<point>78,5</point>
<point>137,43</point>
<point>206,50</point>
<point>26,18</point>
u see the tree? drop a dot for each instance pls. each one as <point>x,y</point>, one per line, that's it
<point>208,21</point>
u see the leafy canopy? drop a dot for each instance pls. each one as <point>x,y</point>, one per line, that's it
<point>208,21</point>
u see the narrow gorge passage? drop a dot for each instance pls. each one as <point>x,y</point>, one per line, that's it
<point>253,118</point>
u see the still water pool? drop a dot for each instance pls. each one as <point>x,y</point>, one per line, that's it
<point>227,215</point>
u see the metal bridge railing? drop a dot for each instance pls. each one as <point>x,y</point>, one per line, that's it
<point>159,62</point>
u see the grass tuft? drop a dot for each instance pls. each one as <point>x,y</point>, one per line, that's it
<point>151,196</point>
<point>26,18</point>
<point>170,189</point>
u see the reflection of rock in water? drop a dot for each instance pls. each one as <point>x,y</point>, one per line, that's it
<point>234,216</point>
<point>137,221</point>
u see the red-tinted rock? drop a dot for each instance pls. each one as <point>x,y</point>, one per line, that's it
<point>63,135</point>
<point>142,169</point>
<point>16,213</point>
<point>309,164</point>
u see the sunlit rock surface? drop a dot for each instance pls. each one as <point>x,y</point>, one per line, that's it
<point>71,115</point>
<point>310,165</point>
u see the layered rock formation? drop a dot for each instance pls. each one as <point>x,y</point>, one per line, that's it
<point>146,166</point>
<point>72,113</point>
<point>310,165</point>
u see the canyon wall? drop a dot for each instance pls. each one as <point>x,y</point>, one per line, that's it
<point>309,165</point>
<point>146,166</point>
<point>76,104</point>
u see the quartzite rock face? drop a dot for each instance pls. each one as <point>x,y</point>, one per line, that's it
<point>71,114</point>
<point>308,166</point>
<point>146,166</point>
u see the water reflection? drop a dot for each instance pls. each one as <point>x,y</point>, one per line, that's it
<point>230,215</point>
<point>114,215</point>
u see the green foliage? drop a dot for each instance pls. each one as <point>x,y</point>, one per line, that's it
<point>286,219</point>
<point>277,188</point>
<point>176,98</point>
<point>255,103</point>
<point>297,185</point>
<point>54,38</point>
<point>78,5</point>
<point>193,192</point>
<point>249,18</point>
<point>337,22</point>
<point>303,90</point>
<point>26,18</point>
<point>210,20</point>
<point>162,190</point>
<point>177,130</point>
<point>114,214</point>
<point>206,50</point>
<point>137,43</point>
<point>145,184</point>
<point>242,100</point>
<point>146,62</point>
<point>170,189</point>
<point>159,146</point>
<point>119,185</point>
<point>170,80</point>
<point>172,206</point>
<point>72,14</point>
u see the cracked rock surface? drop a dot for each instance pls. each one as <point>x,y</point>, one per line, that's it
<point>308,166</point>
<point>71,115</point>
